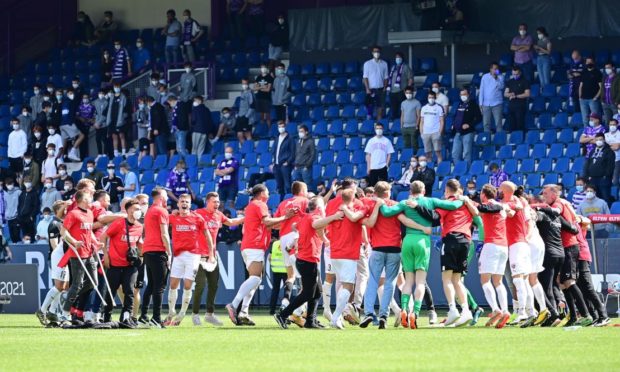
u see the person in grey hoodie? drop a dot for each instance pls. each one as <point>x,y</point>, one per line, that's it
<point>11,201</point>
<point>116,119</point>
<point>305,153</point>
<point>101,119</point>
<point>187,84</point>
<point>246,114</point>
<point>594,205</point>
<point>281,93</point>
<point>50,194</point>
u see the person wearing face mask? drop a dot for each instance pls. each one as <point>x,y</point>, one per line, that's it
<point>463,126</point>
<point>305,155</point>
<point>42,118</point>
<point>226,126</point>
<point>404,182</point>
<point>26,121</point>
<point>522,47</point>
<point>278,41</point>
<point>160,129</point>
<point>471,192</point>
<point>432,119</point>
<point>32,170</point>
<point>588,137</point>
<point>131,187</point>
<point>77,89</point>
<point>594,205</point>
<point>192,32</point>
<point>203,127</point>
<point>50,166</point>
<point>281,94</point>
<point>162,93</point>
<point>63,176</point>
<point>11,204</point>
<point>153,89</point>
<point>17,147</point>
<point>178,115</point>
<point>580,193</point>
<point>611,91</point>
<point>140,57</point>
<point>68,128</point>
<point>142,121</point>
<point>263,85</point>
<point>178,182</point>
<point>440,97</point>
<point>497,176</point>
<point>85,119</point>
<point>228,173</point>
<point>50,194</point>
<point>68,190</point>
<point>92,173</point>
<point>172,31</point>
<point>36,101</point>
<point>590,90</point>
<point>106,29</point>
<point>41,236</point>
<point>37,146</point>
<point>378,151</point>
<point>517,91</point>
<point>400,77</point>
<point>613,140</point>
<point>410,120</point>
<point>114,185</point>
<point>55,139</point>
<point>106,68</point>
<point>115,121</point>
<point>375,78</point>
<point>424,174</point>
<point>599,168</point>
<point>187,84</point>
<point>491,98</point>
<point>121,62</point>
<point>575,69</point>
<point>246,113</point>
<point>283,153</point>
<point>543,60</point>
<point>28,207</point>
<point>57,103</point>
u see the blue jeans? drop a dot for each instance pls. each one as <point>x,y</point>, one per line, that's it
<point>528,70</point>
<point>181,138</point>
<point>376,263</point>
<point>161,143</point>
<point>305,175</point>
<point>461,147</point>
<point>282,174</point>
<point>172,54</point>
<point>543,64</point>
<point>589,106</point>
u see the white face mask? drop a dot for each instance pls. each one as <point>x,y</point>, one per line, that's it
<point>46,98</point>
<point>435,89</point>
<point>188,70</point>
<point>414,164</point>
<point>75,85</point>
<point>609,71</point>
<point>139,45</point>
<point>117,90</point>
<point>47,217</point>
<point>540,36</point>
<point>399,60</point>
<point>423,164</point>
<point>37,91</point>
<point>144,208</point>
<point>613,128</point>
<point>15,126</point>
<point>408,95</point>
<point>48,185</point>
<point>522,32</point>
<point>301,135</point>
<point>281,130</point>
<point>154,83</point>
<point>196,104</point>
<point>589,195</point>
<point>62,172</point>
<point>591,123</point>
<point>264,70</point>
<point>51,131</point>
<point>226,115</point>
<point>464,98</point>
<point>600,143</point>
<point>376,55</point>
<point>228,155</point>
<point>137,214</point>
<point>379,132</point>
<point>27,161</point>
<point>28,185</point>
<point>58,98</point>
<point>117,47</point>
<point>67,187</point>
<point>37,135</point>
<point>25,113</point>
<point>281,21</point>
<point>50,89</point>
<point>51,152</point>
<point>141,106</point>
<point>9,187</point>
<point>431,101</point>
<point>279,72</point>
<point>90,169</point>
<point>244,86</point>
<point>85,101</point>
<point>70,96</point>
<point>110,171</point>
<point>101,96</point>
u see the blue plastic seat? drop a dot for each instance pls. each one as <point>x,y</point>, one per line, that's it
<point>298,100</point>
<point>348,112</point>
<point>264,160</point>
<point>527,166</point>
<point>323,144</point>
<point>293,70</point>
<point>539,151</point>
<point>336,127</point>
<point>317,113</point>
<point>510,166</point>
<point>460,168</point>
<point>577,166</point>
<point>615,208</point>
<point>488,153</point>
<point>343,98</point>
<point>544,165</point>
<point>477,167</point>
<point>336,68</point>
<point>296,86</point>
<point>311,85</point>
<point>560,120</point>
<point>428,65</point>
<point>330,171</point>
<point>516,138</point>
<point>327,157</point>
<point>499,139</point>
<point>368,127</point>
<point>360,170</point>
<point>314,100</point>
<point>320,128</point>
<point>532,137</point>
<point>340,143</point>
<point>329,99</point>
<point>342,157</point>
<point>361,112</point>
<point>340,84</point>
<point>568,179</point>
<point>548,91</point>
<point>146,163</point>
<point>551,178</point>
<point>544,121</point>
<point>325,84</point>
<point>351,67</point>
<point>355,143</point>
<point>274,199</point>
<point>561,165</point>
<point>307,69</point>
<point>538,105</point>
<point>483,139</point>
<point>556,151</point>
<point>505,152</point>
<point>573,150</point>
<point>555,105</point>
<point>443,169</point>
<point>359,98</point>
<point>549,136</point>
<point>576,121</point>
<point>566,135</point>
<point>431,78</point>
<point>533,180</point>
<point>346,170</point>
<point>481,180</point>
<point>355,83</point>
<point>358,157</point>
<point>147,177</point>
<point>322,68</point>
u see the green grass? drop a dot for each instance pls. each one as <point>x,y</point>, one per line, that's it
<point>25,345</point>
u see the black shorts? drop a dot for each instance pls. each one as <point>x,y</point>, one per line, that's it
<point>569,269</point>
<point>454,252</point>
<point>280,112</point>
<point>377,97</point>
<point>144,144</point>
<point>116,130</point>
<point>263,105</point>
<point>242,124</point>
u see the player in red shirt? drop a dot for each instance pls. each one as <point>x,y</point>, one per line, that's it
<point>256,237</point>
<point>214,219</point>
<point>121,235</point>
<point>186,228</point>
<point>308,260</point>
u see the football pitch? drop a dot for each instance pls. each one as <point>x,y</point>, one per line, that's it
<point>25,345</point>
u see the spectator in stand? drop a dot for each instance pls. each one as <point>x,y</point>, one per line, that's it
<point>77,89</point>
<point>92,173</point>
<point>141,57</point>
<point>202,126</point>
<point>441,99</point>
<point>611,91</point>
<point>226,126</point>
<point>85,119</point>
<point>404,183</point>
<point>172,31</point>
<point>131,185</point>
<point>114,186</point>
<point>574,72</point>
<point>26,121</point>
<point>580,192</point>
<point>179,125</point>
<point>106,30</point>
<point>464,125</point>
<point>28,207</point>
<point>49,194</point>
<point>178,182</point>
<point>424,174</point>
<point>41,236</point>
<point>305,154</point>
<point>68,129</point>
<point>37,147</point>
<point>49,166</point>
<point>588,137</point>
<point>491,98</point>
<point>378,151</point>
<point>472,192</point>
<point>100,123</point>
<point>543,60</point>
<point>600,167</point>
<point>375,79</point>
<point>62,177</point>
<point>410,120</point>
<point>228,178</point>
<point>255,17</point>
<point>263,84</point>
<point>142,121</point>
<point>121,62</point>
<point>11,203</point>
<point>153,89</point>
<point>83,30</point>
<point>235,9</point>
<point>191,33</point>
<point>594,205</point>
<point>590,90</point>
<point>56,113</point>
<point>17,147</point>
<point>36,101</point>
<point>522,46</point>
<point>613,140</point>
<point>56,139</point>
<point>497,175</point>
<point>116,120</point>
<point>278,41</point>
<point>159,125</point>
<point>187,84</point>
<point>68,189</point>
<point>517,91</point>
<point>400,77</point>
<point>281,94</point>
<point>44,116</point>
<point>163,94</point>
<point>107,65</point>
<point>283,153</point>
<point>245,116</point>
<point>432,119</point>
<point>31,170</point>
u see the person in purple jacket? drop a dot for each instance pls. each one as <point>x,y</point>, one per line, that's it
<point>228,183</point>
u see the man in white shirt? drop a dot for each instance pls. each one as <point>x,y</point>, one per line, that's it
<point>378,151</point>
<point>441,98</point>
<point>432,119</point>
<point>17,146</point>
<point>613,140</point>
<point>375,80</point>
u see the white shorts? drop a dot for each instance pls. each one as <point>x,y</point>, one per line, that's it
<point>185,266</point>
<point>519,256</point>
<point>59,273</point>
<point>344,269</point>
<point>287,242</point>
<point>493,259</point>
<point>537,254</point>
<point>69,131</point>
<point>329,269</point>
<point>252,255</point>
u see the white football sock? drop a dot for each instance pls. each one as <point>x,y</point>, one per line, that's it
<point>342,299</point>
<point>245,305</point>
<point>489,294</point>
<point>530,299</point>
<point>327,295</point>
<point>502,297</point>
<point>245,288</point>
<point>173,294</point>
<point>187,296</point>
<point>519,284</point>
<point>52,294</point>
<point>539,293</point>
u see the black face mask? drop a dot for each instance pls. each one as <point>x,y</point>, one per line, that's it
<point>590,66</point>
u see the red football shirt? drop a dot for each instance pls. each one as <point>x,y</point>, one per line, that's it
<point>345,236</point>
<point>156,215</point>
<point>185,232</point>
<point>117,232</point>
<point>299,202</point>
<point>255,234</point>
<point>79,223</point>
<point>456,221</point>
<point>568,239</point>
<point>387,230</point>
<point>98,211</point>
<point>495,228</point>
<point>214,222</point>
<point>309,244</point>
<point>584,249</point>
<point>516,226</point>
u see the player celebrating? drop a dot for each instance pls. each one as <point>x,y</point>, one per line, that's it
<point>256,236</point>
<point>186,226</point>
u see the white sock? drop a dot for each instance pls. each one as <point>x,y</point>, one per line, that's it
<point>173,294</point>
<point>49,298</point>
<point>327,296</point>
<point>502,297</point>
<point>529,305</point>
<point>55,306</point>
<point>245,288</point>
<point>489,294</point>
<point>539,293</point>
<point>187,296</point>
<point>245,305</point>
<point>515,305</point>
<point>342,299</point>
<point>465,307</point>
<point>519,284</point>
<point>394,307</point>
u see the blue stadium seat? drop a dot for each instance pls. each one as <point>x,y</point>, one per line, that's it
<point>307,69</point>
<point>341,84</point>
<point>351,67</point>
<point>555,105</point>
<point>331,171</point>
<point>556,151</point>
<point>539,151</point>
<point>346,170</point>
<point>359,98</point>
<point>505,152</point>
<point>250,159</point>
<point>358,157</point>
<point>274,200</point>
<point>337,68</point>
<point>298,100</point>
<point>368,127</point>
<point>355,143</point>
<point>477,167</point>
<point>566,135</point>
<point>314,99</point>
<point>516,138</point>
<point>206,175</point>
<point>395,171</point>
<point>311,85</point>
<point>481,180</point>
<point>573,150</point>
<point>431,78</point>
<point>538,105</point>
<point>576,121</point>
<point>262,146</point>
<point>340,143</point>
<point>460,168</point>
<point>560,120</point>
<point>551,178</point>
<point>532,137</point>
<point>548,91</point>
<point>522,151</point>
<point>294,70</point>
<point>327,157</point>
<point>343,98</point>
<point>348,112</point>
<point>147,177</point>
<point>577,166</point>
<point>527,166</point>
<point>549,136</point>
<point>329,99</point>
<point>568,179</point>
<point>483,139</point>
<point>264,160</point>
<point>320,128</point>
<point>296,86</point>
<point>505,60</point>
<point>510,166</point>
<point>317,113</point>
<point>561,165</point>
<point>322,68</point>
<point>488,153</point>
<point>443,169</point>
<point>544,121</point>
<point>336,127</point>
<point>325,84</point>
<point>355,83</point>
<point>544,165</point>
<point>342,157</point>
<point>361,112</point>
<point>533,180</point>
<point>615,208</point>
<point>146,163</point>
<point>360,171</point>
<point>162,177</point>
<point>323,144</point>
<point>428,65</point>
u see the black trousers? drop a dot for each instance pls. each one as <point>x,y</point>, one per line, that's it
<point>101,138</point>
<point>209,280</point>
<point>84,129</point>
<point>395,100</point>
<point>156,264</point>
<point>276,279</point>
<point>81,286</point>
<point>428,299</point>
<point>15,231</point>
<point>377,175</point>
<point>310,290</point>
<point>26,224</point>
<point>516,116</point>
<point>596,306</point>
<point>117,276</point>
<point>552,265</point>
<point>256,178</point>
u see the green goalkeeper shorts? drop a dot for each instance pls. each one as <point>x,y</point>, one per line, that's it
<point>416,252</point>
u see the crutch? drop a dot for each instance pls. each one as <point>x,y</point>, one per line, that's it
<point>105,279</point>
<point>92,281</point>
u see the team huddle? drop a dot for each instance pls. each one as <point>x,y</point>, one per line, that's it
<point>370,245</point>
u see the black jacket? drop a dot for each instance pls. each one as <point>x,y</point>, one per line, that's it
<point>287,151</point>
<point>28,205</point>
<point>279,36</point>
<point>305,153</point>
<point>471,116</point>
<point>427,176</point>
<point>159,120</point>
<point>601,165</point>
